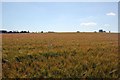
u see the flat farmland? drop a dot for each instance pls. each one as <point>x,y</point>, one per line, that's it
<point>60,55</point>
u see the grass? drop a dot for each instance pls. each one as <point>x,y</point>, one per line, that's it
<point>60,55</point>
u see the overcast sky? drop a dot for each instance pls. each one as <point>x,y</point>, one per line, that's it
<point>60,16</point>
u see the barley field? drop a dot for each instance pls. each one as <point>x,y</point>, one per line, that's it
<point>60,55</point>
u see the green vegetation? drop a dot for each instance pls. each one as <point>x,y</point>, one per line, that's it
<point>60,55</point>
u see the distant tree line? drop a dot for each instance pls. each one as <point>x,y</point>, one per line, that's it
<point>51,32</point>
<point>5,31</point>
<point>101,30</point>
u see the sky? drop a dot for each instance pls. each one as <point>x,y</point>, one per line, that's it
<point>59,0</point>
<point>60,16</point>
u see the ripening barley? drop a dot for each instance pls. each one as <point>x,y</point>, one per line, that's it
<point>81,55</point>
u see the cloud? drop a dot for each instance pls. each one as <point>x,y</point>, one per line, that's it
<point>88,24</point>
<point>110,14</point>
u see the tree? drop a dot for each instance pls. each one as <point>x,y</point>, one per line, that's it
<point>100,30</point>
<point>41,31</point>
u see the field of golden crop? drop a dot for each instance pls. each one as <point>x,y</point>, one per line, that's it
<point>60,55</point>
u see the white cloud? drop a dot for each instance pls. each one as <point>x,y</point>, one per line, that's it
<point>110,14</point>
<point>88,24</point>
